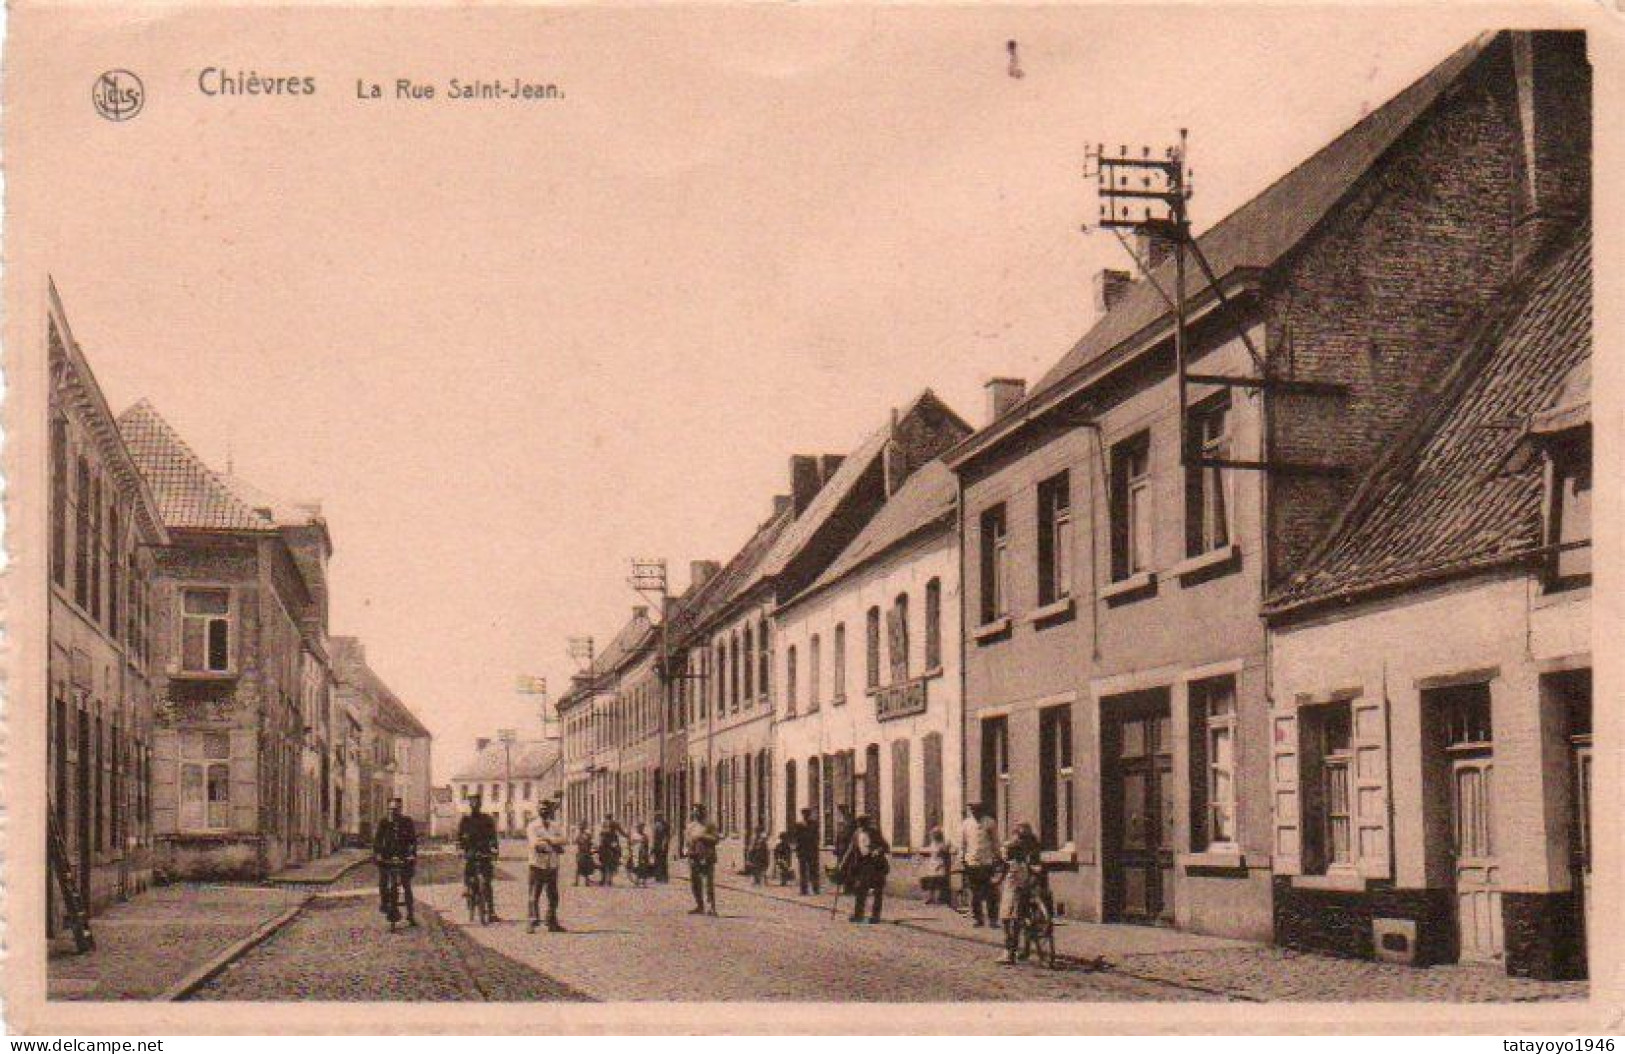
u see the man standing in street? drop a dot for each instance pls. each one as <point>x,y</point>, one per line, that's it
<point>867,865</point>
<point>395,849</point>
<point>979,851</point>
<point>701,839</point>
<point>662,849</point>
<point>806,844</point>
<point>547,840</point>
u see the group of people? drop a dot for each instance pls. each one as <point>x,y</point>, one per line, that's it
<point>645,852</point>
<point>1003,881</point>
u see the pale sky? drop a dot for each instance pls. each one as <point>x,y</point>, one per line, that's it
<point>510,345</point>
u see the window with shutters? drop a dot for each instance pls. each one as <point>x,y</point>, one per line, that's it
<point>1055,777</point>
<point>205,781</point>
<point>897,638</point>
<point>1327,790</point>
<point>838,671</point>
<point>871,673</point>
<point>1055,540</point>
<point>1213,762</point>
<point>790,680</point>
<point>98,547</point>
<point>901,835</point>
<point>750,664</point>
<point>1569,514</point>
<point>995,560</point>
<point>1131,507</point>
<point>81,534</point>
<point>59,501</point>
<point>933,625</point>
<point>830,766</point>
<point>871,784</point>
<point>931,764</point>
<point>206,631</point>
<point>815,663</point>
<point>764,659</point>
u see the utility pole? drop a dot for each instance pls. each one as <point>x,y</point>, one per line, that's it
<point>580,650</point>
<point>507,736</point>
<point>649,580</point>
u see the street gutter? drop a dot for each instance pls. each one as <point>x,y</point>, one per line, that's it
<point>208,971</point>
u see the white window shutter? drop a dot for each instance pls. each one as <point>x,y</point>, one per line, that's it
<point>1285,810</point>
<point>1369,740</point>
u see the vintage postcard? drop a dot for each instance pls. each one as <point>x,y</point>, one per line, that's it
<point>811,517</point>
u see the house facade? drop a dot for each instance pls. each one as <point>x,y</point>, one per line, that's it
<point>869,678</point>
<point>1116,683</point>
<point>1433,783</point>
<point>238,631</point>
<point>104,531</point>
<point>512,780</point>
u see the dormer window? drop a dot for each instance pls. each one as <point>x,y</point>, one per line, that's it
<point>1563,432</point>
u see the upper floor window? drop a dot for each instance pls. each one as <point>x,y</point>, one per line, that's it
<point>871,672</point>
<point>1054,539</point>
<point>995,564</point>
<point>81,534</point>
<point>1207,505</point>
<point>897,638</point>
<point>764,660</point>
<point>814,662</point>
<point>839,664</point>
<point>1569,512</point>
<point>206,630</point>
<point>750,662</point>
<point>1131,506</point>
<point>790,680</point>
<point>933,624</point>
<point>59,501</point>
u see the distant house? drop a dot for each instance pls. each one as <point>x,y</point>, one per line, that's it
<point>511,780</point>
<point>442,811</point>
<point>393,746</point>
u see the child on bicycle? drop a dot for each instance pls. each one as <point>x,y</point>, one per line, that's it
<point>1023,889</point>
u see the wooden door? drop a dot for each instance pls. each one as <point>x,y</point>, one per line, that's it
<point>1137,798</point>
<point>1478,890</point>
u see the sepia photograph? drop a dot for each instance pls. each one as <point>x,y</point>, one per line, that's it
<point>806,518</point>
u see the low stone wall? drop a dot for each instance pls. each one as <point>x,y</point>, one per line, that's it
<point>1545,935</point>
<point>1338,922</point>
<point>239,858</point>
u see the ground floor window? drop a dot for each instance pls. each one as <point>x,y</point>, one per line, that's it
<point>205,781</point>
<point>901,835</point>
<point>1213,762</point>
<point>1327,792</point>
<point>931,749</point>
<point>1055,777</point>
<point>996,770</point>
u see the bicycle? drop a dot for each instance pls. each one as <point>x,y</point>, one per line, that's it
<point>477,889</point>
<point>390,869</point>
<point>1037,931</point>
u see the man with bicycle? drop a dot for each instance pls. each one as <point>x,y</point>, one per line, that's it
<point>395,851</point>
<point>477,841</point>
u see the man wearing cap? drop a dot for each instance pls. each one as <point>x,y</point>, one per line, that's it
<point>979,851</point>
<point>547,838</point>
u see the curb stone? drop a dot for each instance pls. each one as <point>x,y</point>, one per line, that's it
<point>208,971</point>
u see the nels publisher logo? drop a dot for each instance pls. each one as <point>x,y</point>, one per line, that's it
<point>118,95</point>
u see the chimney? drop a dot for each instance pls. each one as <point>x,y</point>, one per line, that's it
<point>1002,394</point>
<point>804,481</point>
<point>781,503</point>
<point>700,572</point>
<point>640,611</point>
<point>1152,245</point>
<point>481,743</point>
<point>893,463</point>
<point>828,465</point>
<point>1553,81</point>
<point>1110,287</point>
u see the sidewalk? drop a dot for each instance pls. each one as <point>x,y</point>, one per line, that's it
<point>1245,971</point>
<point>322,871</point>
<point>146,946</point>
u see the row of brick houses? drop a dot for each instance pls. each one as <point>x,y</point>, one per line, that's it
<point>1255,703</point>
<point>202,721</point>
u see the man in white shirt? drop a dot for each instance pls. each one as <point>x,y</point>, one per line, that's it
<point>547,838</point>
<point>979,851</point>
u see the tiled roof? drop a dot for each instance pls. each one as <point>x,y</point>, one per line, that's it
<point>737,575</point>
<point>1462,494</point>
<point>190,494</point>
<point>627,644</point>
<point>1259,233</point>
<point>532,759</point>
<point>397,716</point>
<point>926,499</point>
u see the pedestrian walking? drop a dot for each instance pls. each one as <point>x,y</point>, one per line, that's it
<point>661,849</point>
<point>978,853</point>
<point>640,867</point>
<point>843,841</point>
<point>609,850</point>
<point>806,838</point>
<point>783,854</point>
<point>395,851</point>
<point>756,857</point>
<point>866,865</point>
<point>938,880</point>
<point>547,838</point>
<point>700,840</point>
<point>584,858</point>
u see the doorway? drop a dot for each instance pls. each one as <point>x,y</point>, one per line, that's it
<point>1137,808</point>
<point>1466,753</point>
